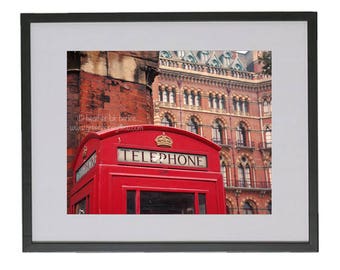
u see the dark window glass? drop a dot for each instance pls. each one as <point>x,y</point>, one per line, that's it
<point>166,121</point>
<point>201,202</point>
<point>198,99</point>
<point>242,138</point>
<point>248,209</point>
<point>186,98</point>
<point>81,207</point>
<point>193,125</point>
<point>235,104</point>
<point>152,202</point>
<point>216,102</point>
<point>131,202</point>
<point>241,105</point>
<point>241,176</point>
<point>192,98</point>
<point>173,96</point>
<point>210,101</point>
<point>217,132</point>
<point>160,94</point>
<point>223,102</point>
<point>246,106</point>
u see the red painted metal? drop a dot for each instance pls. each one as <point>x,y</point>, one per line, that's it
<point>105,184</point>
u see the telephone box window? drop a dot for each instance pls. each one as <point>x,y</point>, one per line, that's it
<point>201,202</point>
<point>81,207</point>
<point>131,202</point>
<point>152,202</point>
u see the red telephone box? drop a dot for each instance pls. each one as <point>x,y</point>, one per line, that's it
<point>147,170</point>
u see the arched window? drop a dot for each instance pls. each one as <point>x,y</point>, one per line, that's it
<point>246,106</point>
<point>193,125</point>
<point>247,175</point>
<point>248,208</point>
<point>244,173</point>
<point>160,94</point>
<point>166,95</point>
<point>186,97</point>
<point>241,105</point>
<point>241,176</point>
<point>268,135</point>
<point>172,96</point>
<point>238,105</point>
<point>241,135</point>
<point>210,101</point>
<point>198,99</point>
<point>217,132</point>
<point>235,104</point>
<point>215,102</point>
<point>222,103</point>
<point>166,121</point>
<point>266,107</point>
<point>224,173</point>
<point>192,98</point>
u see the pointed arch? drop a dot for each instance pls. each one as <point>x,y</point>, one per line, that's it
<point>249,207</point>
<point>193,124</point>
<point>244,172</point>
<point>242,134</point>
<point>168,119</point>
<point>218,135</point>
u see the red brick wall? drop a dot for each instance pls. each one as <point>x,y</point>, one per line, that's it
<point>97,102</point>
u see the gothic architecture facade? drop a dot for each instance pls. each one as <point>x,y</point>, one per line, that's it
<point>224,97</point>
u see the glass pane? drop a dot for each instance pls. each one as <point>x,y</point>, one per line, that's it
<point>131,202</point>
<point>247,175</point>
<point>241,176</point>
<point>201,202</point>
<point>152,202</point>
<point>160,94</point>
<point>172,97</point>
<point>248,209</point>
<point>81,207</point>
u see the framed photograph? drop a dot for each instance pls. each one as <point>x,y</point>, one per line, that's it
<point>170,132</point>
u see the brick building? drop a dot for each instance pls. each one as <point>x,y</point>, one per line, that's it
<point>224,97</point>
<point>220,95</point>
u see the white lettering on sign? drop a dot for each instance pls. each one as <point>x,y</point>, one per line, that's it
<point>88,165</point>
<point>160,157</point>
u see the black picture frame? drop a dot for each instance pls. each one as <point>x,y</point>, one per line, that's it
<point>30,246</point>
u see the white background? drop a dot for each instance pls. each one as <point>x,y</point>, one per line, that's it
<point>287,40</point>
<point>10,145</point>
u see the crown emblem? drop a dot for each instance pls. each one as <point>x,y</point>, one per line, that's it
<point>163,141</point>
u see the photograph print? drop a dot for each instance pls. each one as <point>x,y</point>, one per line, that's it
<point>169,132</point>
